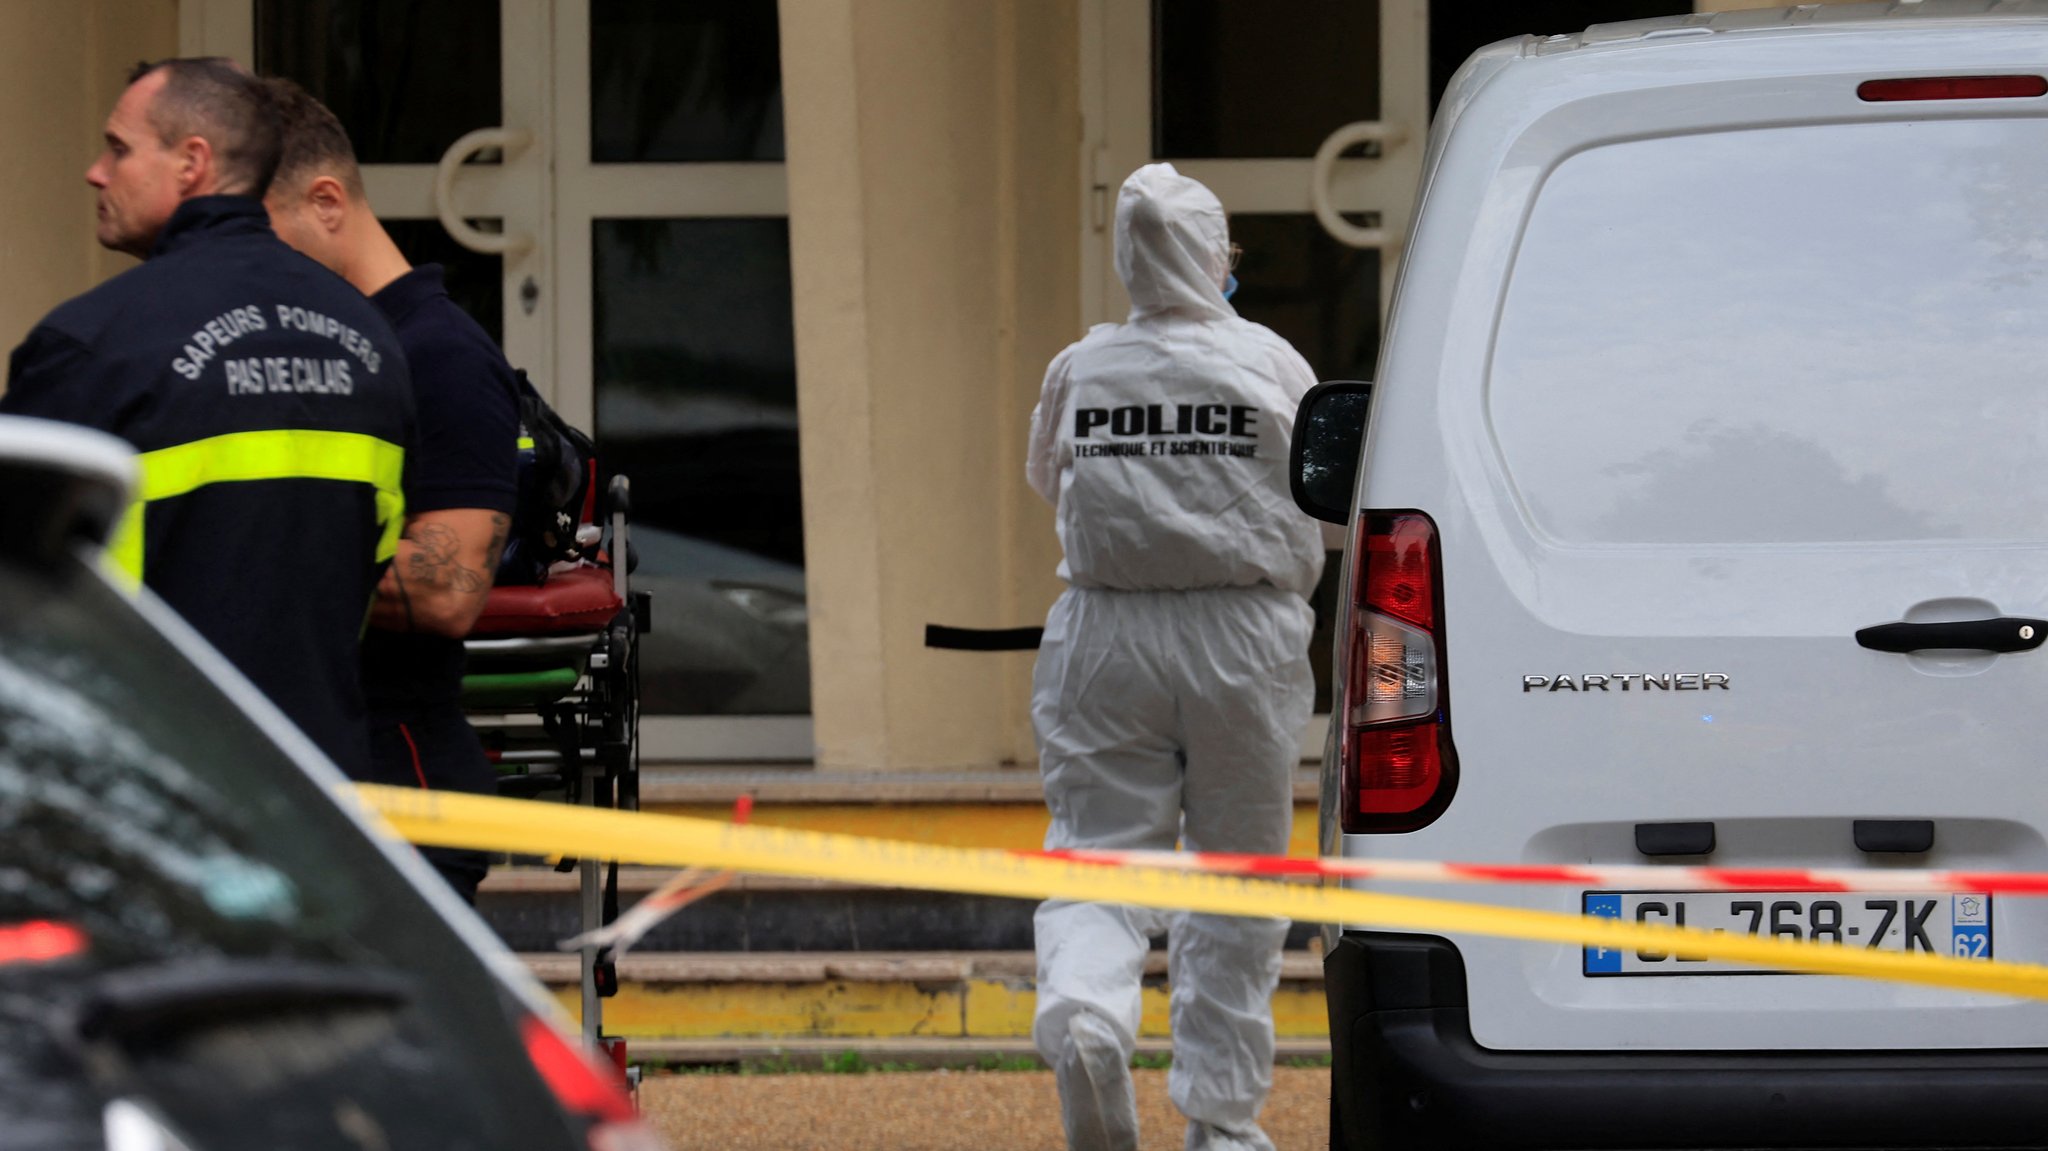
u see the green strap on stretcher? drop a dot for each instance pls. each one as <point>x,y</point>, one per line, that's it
<point>517,690</point>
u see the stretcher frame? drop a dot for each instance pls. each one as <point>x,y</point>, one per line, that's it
<point>590,736</point>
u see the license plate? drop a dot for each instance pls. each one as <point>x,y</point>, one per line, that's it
<point>1957,924</point>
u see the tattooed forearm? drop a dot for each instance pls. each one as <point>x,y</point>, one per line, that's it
<point>501,530</point>
<point>435,560</point>
<point>442,576</point>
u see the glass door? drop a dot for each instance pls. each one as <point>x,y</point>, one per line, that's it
<point>603,181</point>
<point>1243,98</point>
<point>679,351</point>
<point>454,135</point>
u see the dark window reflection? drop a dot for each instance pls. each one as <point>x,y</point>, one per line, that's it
<point>476,281</point>
<point>1458,28</point>
<point>1263,80</point>
<point>679,82</point>
<point>696,401</point>
<point>1323,298</point>
<point>405,77</point>
<point>1322,642</point>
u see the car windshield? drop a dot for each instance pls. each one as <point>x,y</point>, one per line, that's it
<point>139,806</point>
<point>187,919</point>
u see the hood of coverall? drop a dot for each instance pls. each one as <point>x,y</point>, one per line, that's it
<point>1172,245</point>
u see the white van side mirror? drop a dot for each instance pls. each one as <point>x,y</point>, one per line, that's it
<point>1329,430</point>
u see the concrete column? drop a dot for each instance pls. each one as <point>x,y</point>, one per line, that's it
<point>933,167</point>
<point>62,66</point>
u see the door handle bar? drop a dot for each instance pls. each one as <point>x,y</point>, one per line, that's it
<point>506,140</point>
<point>1390,136</point>
<point>2005,634</point>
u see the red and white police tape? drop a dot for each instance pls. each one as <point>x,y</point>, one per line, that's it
<point>1575,875</point>
<point>684,888</point>
<point>488,823</point>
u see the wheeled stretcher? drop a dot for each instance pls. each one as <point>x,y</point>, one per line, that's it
<point>553,691</point>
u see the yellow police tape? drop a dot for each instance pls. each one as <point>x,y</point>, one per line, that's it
<point>444,819</point>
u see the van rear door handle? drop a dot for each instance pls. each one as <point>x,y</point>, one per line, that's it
<point>2005,633</point>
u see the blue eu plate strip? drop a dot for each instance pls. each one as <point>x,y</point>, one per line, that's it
<point>1603,960</point>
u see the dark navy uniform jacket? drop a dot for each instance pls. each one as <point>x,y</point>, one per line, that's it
<point>467,456</point>
<point>272,410</point>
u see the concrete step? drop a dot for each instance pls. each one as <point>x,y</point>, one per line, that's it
<point>750,999</point>
<point>533,908</point>
<point>802,783</point>
<point>999,808</point>
<point>872,967</point>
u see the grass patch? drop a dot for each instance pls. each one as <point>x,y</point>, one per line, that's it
<point>843,1063</point>
<point>832,1063</point>
<point>653,1067</point>
<point>854,1063</point>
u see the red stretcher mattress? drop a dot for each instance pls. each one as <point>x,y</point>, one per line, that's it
<point>577,600</point>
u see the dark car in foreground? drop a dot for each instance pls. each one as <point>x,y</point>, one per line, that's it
<point>201,945</point>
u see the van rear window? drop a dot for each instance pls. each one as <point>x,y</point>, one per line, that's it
<point>1807,334</point>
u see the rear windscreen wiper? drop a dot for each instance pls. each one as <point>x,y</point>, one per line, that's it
<point>138,1002</point>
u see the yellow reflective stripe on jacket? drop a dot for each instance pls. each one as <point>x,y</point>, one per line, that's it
<point>525,443</point>
<point>288,454</point>
<point>122,560</point>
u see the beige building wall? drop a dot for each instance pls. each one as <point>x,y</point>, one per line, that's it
<point>62,65</point>
<point>933,166</point>
<point>933,170</point>
<point>934,150</point>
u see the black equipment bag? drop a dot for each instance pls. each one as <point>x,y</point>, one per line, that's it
<point>559,489</point>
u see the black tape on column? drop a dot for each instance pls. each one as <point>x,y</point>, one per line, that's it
<point>983,638</point>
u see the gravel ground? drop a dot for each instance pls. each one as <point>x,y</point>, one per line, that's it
<point>935,1111</point>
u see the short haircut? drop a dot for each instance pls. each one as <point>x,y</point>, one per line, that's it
<point>315,143</point>
<point>217,100</point>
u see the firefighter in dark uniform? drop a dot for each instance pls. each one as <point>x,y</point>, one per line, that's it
<point>268,400</point>
<point>461,488</point>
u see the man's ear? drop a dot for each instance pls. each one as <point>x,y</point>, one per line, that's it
<point>197,175</point>
<point>330,202</point>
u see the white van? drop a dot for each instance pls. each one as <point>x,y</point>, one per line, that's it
<point>1720,341</point>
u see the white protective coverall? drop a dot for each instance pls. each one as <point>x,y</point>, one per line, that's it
<point>1173,681</point>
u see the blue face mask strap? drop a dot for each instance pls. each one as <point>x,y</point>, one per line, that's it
<point>1229,285</point>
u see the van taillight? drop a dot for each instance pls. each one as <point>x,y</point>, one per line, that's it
<point>1953,88</point>
<point>1399,769</point>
